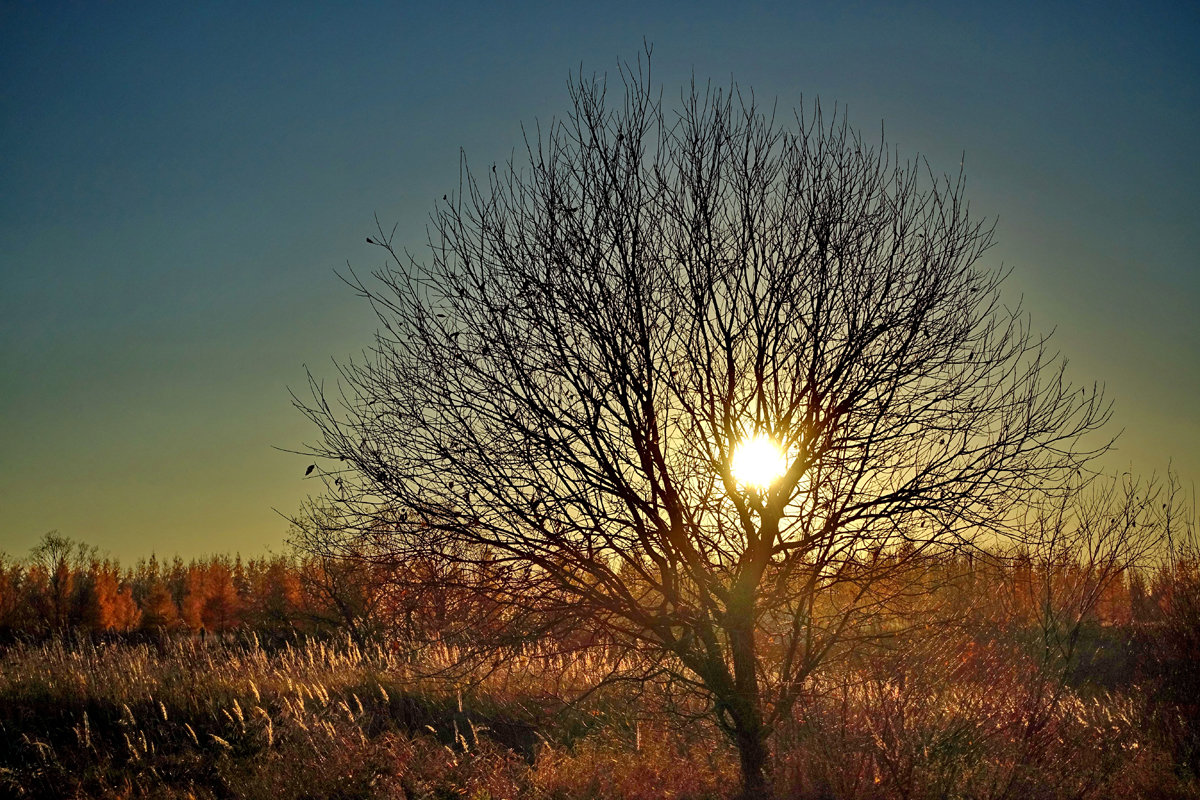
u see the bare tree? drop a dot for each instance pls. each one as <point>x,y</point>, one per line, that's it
<point>60,561</point>
<point>1077,547</point>
<point>565,375</point>
<point>344,572</point>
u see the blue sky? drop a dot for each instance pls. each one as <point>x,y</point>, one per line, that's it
<point>179,181</point>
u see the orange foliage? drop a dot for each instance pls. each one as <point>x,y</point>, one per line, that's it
<point>107,601</point>
<point>211,600</point>
<point>285,596</point>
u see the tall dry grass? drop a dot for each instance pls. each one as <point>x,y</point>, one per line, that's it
<point>230,719</point>
<point>964,717</point>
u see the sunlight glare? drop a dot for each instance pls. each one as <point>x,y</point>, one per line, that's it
<point>757,462</point>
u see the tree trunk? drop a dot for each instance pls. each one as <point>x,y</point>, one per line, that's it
<point>752,752</point>
<point>745,706</point>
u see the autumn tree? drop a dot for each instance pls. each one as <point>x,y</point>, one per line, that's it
<point>14,595</point>
<point>211,600</point>
<point>563,380</point>
<point>159,612</point>
<point>107,598</point>
<point>152,590</point>
<point>274,596</point>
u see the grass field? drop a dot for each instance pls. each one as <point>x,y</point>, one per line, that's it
<point>186,718</point>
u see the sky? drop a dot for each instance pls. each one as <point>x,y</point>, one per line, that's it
<point>180,181</point>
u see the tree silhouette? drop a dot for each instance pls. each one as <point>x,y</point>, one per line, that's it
<point>561,380</point>
<point>57,561</point>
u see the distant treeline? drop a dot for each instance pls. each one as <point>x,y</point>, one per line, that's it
<point>64,585</point>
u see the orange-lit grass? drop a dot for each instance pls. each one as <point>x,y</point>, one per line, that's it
<point>215,719</point>
<point>191,719</point>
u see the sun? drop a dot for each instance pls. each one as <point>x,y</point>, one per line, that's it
<point>758,462</point>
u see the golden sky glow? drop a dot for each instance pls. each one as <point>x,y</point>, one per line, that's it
<point>144,386</point>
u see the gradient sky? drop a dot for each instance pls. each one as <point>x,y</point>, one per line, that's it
<point>178,183</point>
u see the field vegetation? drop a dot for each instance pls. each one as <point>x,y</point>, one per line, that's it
<point>284,678</point>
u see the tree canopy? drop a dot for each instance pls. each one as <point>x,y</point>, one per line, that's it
<point>560,379</point>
